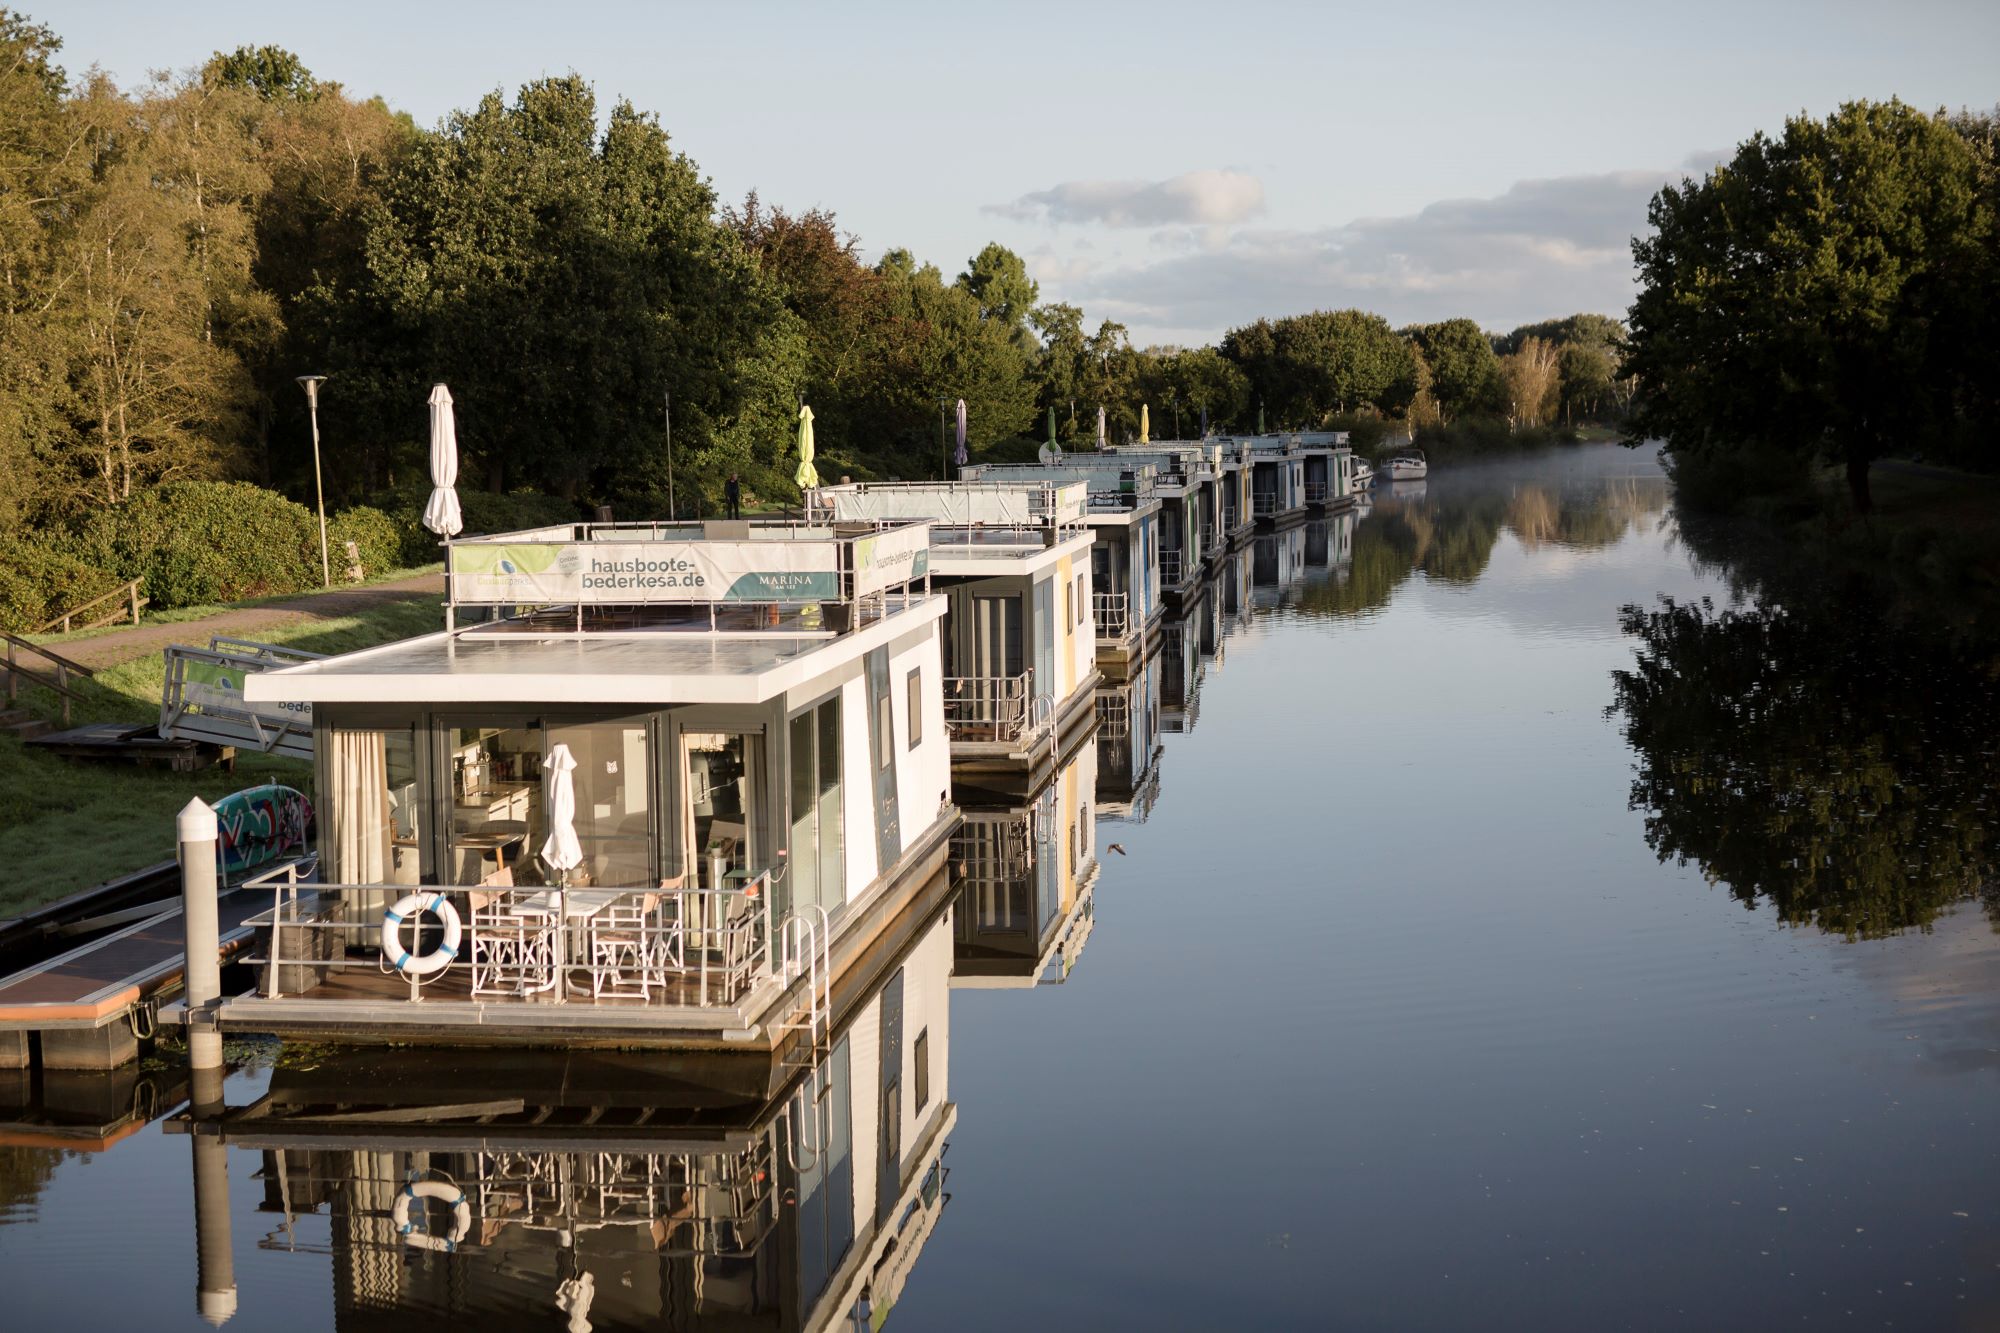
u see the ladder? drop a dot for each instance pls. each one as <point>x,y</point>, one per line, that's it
<point>806,953</point>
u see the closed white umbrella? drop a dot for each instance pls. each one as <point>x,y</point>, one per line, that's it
<point>441,513</point>
<point>561,851</point>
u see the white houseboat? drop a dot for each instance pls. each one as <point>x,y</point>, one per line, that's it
<point>1013,558</point>
<point>665,796</point>
<point>1187,482</point>
<point>718,1191</point>
<point>1123,514</point>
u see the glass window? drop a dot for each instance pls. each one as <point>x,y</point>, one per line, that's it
<point>499,814</point>
<point>817,854</point>
<point>923,1062</point>
<point>916,706</point>
<point>722,776</point>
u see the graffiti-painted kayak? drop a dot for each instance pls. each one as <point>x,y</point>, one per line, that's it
<point>260,825</point>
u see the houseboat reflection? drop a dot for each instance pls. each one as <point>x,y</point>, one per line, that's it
<point>610,1191</point>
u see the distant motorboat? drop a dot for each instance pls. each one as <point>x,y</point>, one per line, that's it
<point>1364,477</point>
<point>1406,465</point>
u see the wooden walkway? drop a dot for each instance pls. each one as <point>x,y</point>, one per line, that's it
<point>97,982</point>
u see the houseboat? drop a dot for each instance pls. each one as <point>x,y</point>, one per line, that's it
<point>720,1191</point>
<point>1026,872</point>
<point>1329,468</point>
<point>1013,559</point>
<point>1236,475</point>
<point>1187,484</point>
<point>1122,511</point>
<point>665,793</point>
<point>1277,480</point>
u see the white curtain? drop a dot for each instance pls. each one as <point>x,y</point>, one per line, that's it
<point>358,773</point>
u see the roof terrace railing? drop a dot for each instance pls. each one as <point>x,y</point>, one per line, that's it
<point>965,512</point>
<point>664,566</point>
<point>1114,483</point>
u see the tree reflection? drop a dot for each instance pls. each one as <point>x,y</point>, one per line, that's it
<point>1832,762</point>
<point>1449,533</point>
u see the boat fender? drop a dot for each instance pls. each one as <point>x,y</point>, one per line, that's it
<point>410,905</point>
<point>461,1214</point>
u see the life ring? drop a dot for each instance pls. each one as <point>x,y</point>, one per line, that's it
<point>461,1215</point>
<point>407,906</point>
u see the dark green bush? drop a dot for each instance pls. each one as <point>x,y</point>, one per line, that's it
<point>195,542</point>
<point>483,511</point>
<point>39,583</point>
<point>374,534</point>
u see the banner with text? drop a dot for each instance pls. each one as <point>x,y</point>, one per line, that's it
<point>630,573</point>
<point>900,555</point>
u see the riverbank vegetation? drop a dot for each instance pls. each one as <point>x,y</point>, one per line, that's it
<point>174,254</point>
<point>66,825</point>
<point>1817,338</point>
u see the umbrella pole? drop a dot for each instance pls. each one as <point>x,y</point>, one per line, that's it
<point>450,607</point>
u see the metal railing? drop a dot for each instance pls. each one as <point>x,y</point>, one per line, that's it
<point>1113,613</point>
<point>1170,567</point>
<point>703,947</point>
<point>119,599</point>
<point>1263,504</point>
<point>1316,492</point>
<point>989,708</point>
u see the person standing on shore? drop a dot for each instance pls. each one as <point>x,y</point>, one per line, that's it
<point>732,491</point>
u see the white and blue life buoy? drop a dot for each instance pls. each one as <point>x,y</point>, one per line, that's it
<point>407,907</point>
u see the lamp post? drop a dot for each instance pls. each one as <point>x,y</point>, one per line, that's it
<point>311,383</point>
<point>944,458</point>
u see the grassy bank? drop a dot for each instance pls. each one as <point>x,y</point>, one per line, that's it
<point>1932,541</point>
<point>66,825</point>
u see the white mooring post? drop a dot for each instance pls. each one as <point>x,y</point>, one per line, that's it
<point>195,831</point>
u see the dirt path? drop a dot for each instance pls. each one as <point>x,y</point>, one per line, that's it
<point>109,649</point>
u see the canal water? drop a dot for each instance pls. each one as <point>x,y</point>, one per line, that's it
<point>1512,910</point>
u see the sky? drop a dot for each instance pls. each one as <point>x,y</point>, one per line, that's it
<point>1181,168</point>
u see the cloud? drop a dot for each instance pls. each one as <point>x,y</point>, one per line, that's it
<point>1541,248</point>
<point>1196,198</point>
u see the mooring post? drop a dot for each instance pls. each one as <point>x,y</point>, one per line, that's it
<point>196,833</point>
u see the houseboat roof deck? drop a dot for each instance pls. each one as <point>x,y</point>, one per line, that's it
<point>1115,484</point>
<point>513,661</point>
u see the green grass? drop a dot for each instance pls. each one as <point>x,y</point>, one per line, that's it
<point>67,824</point>
<point>182,614</point>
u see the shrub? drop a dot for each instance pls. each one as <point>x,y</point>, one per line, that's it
<point>194,542</point>
<point>374,534</point>
<point>38,583</point>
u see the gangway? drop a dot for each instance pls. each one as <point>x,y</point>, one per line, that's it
<point>203,698</point>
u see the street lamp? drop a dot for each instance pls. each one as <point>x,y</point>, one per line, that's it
<point>311,383</point>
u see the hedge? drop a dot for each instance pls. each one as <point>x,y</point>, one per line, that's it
<point>196,542</point>
<point>39,583</point>
<point>483,512</point>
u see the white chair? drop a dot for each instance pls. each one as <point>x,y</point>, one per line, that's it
<point>513,953</point>
<point>621,948</point>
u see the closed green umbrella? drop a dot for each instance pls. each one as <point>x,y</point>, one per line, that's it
<point>1260,418</point>
<point>807,476</point>
<point>1050,451</point>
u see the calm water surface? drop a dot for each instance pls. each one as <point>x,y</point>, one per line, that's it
<point>1476,960</point>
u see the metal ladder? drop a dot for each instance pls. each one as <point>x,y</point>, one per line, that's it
<point>806,952</point>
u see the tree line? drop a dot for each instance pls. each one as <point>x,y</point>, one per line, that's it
<point>173,255</point>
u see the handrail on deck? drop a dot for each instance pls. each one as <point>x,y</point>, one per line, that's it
<point>989,708</point>
<point>716,940</point>
<point>1113,613</point>
<point>128,594</point>
<point>1170,567</point>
